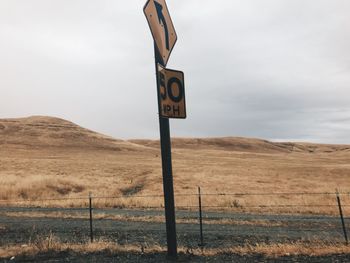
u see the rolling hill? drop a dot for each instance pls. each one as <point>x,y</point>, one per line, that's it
<point>43,132</point>
<point>240,144</point>
<point>45,157</point>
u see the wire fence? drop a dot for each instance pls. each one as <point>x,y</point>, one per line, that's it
<point>203,219</point>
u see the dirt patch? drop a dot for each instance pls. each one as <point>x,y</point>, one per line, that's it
<point>66,189</point>
<point>132,190</point>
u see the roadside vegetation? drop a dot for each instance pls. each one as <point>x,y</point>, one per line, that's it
<point>50,246</point>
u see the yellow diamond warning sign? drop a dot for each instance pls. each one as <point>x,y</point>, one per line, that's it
<point>171,93</point>
<point>161,26</point>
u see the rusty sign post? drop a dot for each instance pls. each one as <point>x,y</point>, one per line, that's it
<point>171,103</point>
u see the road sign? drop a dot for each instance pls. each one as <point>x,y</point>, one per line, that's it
<point>162,28</point>
<point>171,91</point>
<point>171,103</point>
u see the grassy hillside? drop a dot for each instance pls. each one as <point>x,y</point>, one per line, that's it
<point>44,132</point>
<point>44,157</point>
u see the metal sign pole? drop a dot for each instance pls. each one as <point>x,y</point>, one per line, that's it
<point>168,187</point>
<point>164,36</point>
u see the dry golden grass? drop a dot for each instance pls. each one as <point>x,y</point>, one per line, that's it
<point>52,244</point>
<point>278,250</point>
<point>49,158</point>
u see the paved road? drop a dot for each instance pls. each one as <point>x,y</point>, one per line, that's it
<point>220,229</point>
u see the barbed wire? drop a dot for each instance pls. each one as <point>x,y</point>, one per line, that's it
<point>273,193</point>
<point>127,196</point>
<point>176,195</point>
<point>42,200</point>
<point>260,206</point>
<point>227,232</point>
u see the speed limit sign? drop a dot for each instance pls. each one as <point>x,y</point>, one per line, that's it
<point>171,93</point>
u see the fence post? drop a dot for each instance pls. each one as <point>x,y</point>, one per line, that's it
<point>342,218</point>
<point>200,217</point>
<point>90,208</point>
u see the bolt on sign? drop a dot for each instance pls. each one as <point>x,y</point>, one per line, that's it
<point>161,26</point>
<point>171,93</point>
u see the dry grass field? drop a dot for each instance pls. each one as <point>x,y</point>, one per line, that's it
<point>50,158</point>
<point>51,248</point>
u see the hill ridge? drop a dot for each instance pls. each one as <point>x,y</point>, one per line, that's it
<point>230,143</point>
<point>44,131</point>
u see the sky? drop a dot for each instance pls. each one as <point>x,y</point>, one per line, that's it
<point>270,69</point>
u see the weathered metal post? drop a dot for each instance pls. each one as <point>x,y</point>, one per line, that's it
<point>171,103</point>
<point>201,244</point>
<point>342,218</point>
<point>90,209</point>
<point>168,188</point>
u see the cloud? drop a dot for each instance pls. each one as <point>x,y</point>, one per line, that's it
<point>271,69</point>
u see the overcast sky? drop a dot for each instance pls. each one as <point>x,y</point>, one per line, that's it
<point>272,69</point>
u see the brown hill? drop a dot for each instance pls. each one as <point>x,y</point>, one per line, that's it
<point>240,144</point>
<point>45,157</point>
<point>40,131</point>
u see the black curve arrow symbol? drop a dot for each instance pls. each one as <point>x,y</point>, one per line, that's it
<point>162,20</point>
